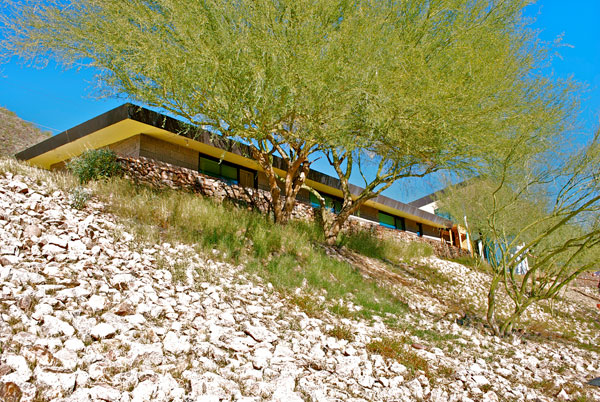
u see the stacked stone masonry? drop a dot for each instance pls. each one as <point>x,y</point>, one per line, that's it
<point>164,175</point>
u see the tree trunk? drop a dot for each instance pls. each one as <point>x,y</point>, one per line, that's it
<point>491,310</point>
<point>295,177</point>
<point>331,232</point>
<point>333,227</point>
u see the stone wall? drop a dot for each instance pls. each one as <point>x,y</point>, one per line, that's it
<point>440,248</point>
<point>164,175</point>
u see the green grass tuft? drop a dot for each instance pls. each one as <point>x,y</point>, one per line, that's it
<point>367,243</point>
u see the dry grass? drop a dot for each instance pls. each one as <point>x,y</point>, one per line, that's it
<point>393,348</point>
<point>341,332</point>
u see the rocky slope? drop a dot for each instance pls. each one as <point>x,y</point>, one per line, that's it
<point>16,134</point>
<point>89,314</point>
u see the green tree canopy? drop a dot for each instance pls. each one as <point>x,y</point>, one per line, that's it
<point>415,86</point>
<point>543,206</point>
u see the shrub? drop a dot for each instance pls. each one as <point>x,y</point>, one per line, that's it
<point>392,348</point>
<point>79,197</point>
<point>95,164</point>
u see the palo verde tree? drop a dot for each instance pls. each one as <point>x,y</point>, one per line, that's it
<point>415,85</point>
<point>540,206</point>
<point>277,75</point>
<point>462,81</point>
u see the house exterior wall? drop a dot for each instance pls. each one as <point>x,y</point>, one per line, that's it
<point>369,213</point>
<point>303,196</point>
<point>129,147</point>
<point>412,226</point>
<point>169,153</point>
<point>430,207</point>
<point>431,231</point>
<point>263,183</point>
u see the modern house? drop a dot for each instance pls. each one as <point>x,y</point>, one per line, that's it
<point>456,235</point>
<point>133,131</point>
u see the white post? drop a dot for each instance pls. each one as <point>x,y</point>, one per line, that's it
<point>468,239</point>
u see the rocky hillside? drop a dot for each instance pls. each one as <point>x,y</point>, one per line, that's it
<point>90,314</point>
<point>16,134</point>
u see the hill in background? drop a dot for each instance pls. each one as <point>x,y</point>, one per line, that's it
<point>17,134</point>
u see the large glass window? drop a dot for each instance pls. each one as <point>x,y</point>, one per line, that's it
<point>387,220</point>
<point>330,203</point>
<point>391,221</point>
<point>223,171</point>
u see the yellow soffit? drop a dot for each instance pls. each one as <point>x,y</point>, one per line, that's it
<point>98,139</point>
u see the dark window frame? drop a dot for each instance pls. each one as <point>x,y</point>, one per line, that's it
<point>221,163</point>
<point>399,222</point>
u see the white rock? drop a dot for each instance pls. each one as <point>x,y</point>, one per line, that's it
<point>97,303</point>
<point>475,368</point>
<point>74,344</point>
<point>22,373</point>
<point>67,358</point>
<point>366,381</point>
<point>415,388</point>
<point>103,331</point>
<point>104,393</point>
<point>398,368</point>
<point>77,247</point>
<point>480,380</point>
<point>261,358</point>
<point>227,318</point>
<point>176,344</point>
<point>143,391</point>
<point>55,384</point>
<point>52,249</point>
<point>438,395</point>
<point>260,334</point>
<point>490,396</point>
<point>54,327</point>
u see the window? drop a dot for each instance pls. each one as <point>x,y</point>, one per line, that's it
<point>391,221</point>
<point>387,220</point>
<point>330,203</point>
<point>221,170</point>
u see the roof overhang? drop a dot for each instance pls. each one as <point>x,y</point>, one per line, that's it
<point>129,120</point>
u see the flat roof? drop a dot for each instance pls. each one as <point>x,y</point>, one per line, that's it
<point>128,120</point>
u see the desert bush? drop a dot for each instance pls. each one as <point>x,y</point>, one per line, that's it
<point>79,197</point>
<point>95,164</point>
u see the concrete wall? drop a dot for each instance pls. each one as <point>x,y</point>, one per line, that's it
<point>128,147</point>
<point>169,153</point>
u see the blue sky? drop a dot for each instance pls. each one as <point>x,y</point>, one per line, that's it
<point>56,100</point>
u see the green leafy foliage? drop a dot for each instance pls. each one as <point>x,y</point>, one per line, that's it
<point>95,164</point>
<point>403,88</point>
<point>537,204</point>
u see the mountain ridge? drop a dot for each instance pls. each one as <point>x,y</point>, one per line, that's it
<point>17,134</point>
